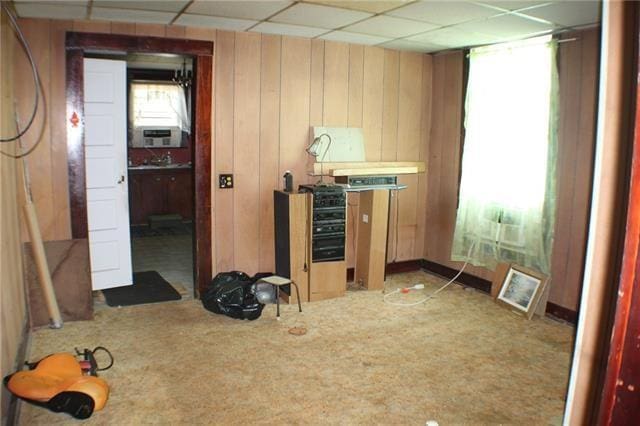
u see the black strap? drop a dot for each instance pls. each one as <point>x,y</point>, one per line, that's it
<point>102,348</point>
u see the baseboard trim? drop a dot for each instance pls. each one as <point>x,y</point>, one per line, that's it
<point>483,285</point>
<point>560,312</point>
<point>393,268</point>
<point>464,278</point>
<point>404,266</point>
<point>12,411</point>
<point>469,280</point>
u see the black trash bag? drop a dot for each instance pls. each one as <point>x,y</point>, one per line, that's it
<point>231,294</point>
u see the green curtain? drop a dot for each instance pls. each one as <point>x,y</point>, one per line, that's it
<point>507,190</point>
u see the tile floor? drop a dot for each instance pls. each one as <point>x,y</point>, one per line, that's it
<point>170,255</point>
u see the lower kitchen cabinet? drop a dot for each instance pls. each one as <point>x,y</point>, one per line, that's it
<point>160,191</point>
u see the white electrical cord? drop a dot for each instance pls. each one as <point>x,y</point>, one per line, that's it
<point>421,286</point>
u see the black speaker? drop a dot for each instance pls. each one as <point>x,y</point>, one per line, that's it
<point>281,233</point>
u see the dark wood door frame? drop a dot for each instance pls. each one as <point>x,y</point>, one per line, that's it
<point>619,402</point>
<point>202,52</point>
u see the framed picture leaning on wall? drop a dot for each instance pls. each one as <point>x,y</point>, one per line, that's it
<point>521,290</point>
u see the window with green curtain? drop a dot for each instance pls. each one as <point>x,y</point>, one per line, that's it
<point>507,189</point>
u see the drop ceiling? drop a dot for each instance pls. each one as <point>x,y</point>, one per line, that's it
<point>417,25</point>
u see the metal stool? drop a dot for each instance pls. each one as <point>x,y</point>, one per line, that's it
<point>277,281</point>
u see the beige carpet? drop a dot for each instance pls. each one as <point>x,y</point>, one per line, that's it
<point>459,358</point>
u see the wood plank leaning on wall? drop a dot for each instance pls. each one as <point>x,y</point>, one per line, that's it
<point>268,90</point>
<point>578,62</point>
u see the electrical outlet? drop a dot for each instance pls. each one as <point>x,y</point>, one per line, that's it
<point>225,181</point>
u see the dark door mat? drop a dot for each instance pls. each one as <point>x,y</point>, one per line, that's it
<point>148,287</point>
<point>141,231</point>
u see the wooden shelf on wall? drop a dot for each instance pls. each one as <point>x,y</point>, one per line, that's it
<point>368,168</point>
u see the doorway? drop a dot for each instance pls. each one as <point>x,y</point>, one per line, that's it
<point>198,226</point>
<point>160,167</point>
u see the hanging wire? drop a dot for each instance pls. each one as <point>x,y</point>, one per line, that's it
<point>20,144</point>
<point>36,82</point>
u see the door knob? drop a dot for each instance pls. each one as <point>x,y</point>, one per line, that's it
<point>121,180</point>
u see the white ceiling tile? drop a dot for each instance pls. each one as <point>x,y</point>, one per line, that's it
<point>444,12</point>
<point>373,6</point>
<point>403,44</point>
<point>389,26</point>
<point>319,16</point>
<point>228,24</point>
<point>287,29</point>
<point>507,27</point>
<point>568,13</point>
<point>130,15</point>
<point>157,5</point>
<point>50,11</point>
<point>256,10</point>
<point>356,38</point>
<point>451,37</point>
<point>512,5</point>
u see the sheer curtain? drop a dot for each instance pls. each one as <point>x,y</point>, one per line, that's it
<point>159,104</point>
<point>507,190</point>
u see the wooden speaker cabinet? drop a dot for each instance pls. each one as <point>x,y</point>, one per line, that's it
<point>327,280</point>
<point>294,219</point>
<point>371,247</point>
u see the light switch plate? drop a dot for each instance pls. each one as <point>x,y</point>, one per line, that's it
<point>225,181</point>
<point>365,218</point>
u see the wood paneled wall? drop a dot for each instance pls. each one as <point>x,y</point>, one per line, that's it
<point>268,91</point>
<point>578,72</point>
<point>12,294</point>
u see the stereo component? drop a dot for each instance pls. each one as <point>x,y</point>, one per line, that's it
<point>328,222</point>
<point>367,180</point>
<point>366,183</point>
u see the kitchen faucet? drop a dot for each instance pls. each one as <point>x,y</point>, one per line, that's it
<point>160,161</point>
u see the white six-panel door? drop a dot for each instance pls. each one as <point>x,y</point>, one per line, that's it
<point>105,143</point>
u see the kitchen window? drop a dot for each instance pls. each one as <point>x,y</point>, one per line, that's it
<point>159,104</point>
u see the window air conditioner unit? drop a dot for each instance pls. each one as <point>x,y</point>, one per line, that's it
<point>156,137</point>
